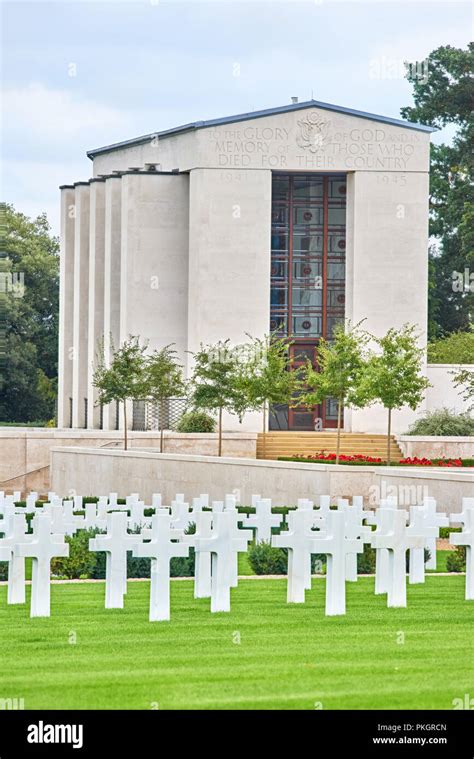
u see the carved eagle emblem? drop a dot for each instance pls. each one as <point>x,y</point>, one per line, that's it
<point>312,132</point>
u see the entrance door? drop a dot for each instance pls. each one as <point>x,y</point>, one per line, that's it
<point>308,272</point>
<point>310,418</point>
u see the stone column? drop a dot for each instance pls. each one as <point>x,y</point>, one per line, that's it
<point>66,295</point>
<point>81,302</point>
<point>154,260</point>
<point>96,291</point>
<point>112,268</point>
<point>389,267</point>
<point>229,260</point>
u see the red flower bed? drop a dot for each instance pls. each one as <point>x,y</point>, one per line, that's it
<point>415,461</point>
<point>359,458</point>
<point>322,456</point>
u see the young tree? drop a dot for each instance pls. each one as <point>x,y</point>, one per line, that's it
<point>214,383</point>
<point>341,364</point>
<point>124,378</point>
<point>163,379</point>
<point>266,375</point>
<point>393,375</point>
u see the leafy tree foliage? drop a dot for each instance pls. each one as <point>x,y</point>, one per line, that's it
<point>215,384</point>
<point>456,348</point>
<point>446,97</point>
<point>29,305</point>
<point>341,365</point>
<point>163,380</point>
<point>392,375</point>
<point>123,378</point>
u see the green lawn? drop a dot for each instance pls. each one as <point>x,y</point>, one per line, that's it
<point>289,656</point>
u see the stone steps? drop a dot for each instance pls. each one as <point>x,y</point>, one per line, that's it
<point>308,443</point>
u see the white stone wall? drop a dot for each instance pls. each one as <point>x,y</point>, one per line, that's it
<point>154,259</point>
<point>443,393</point>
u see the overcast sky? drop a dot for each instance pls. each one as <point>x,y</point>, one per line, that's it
<point>80,74</point>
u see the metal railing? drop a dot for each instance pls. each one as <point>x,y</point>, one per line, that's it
<point>148,415</point>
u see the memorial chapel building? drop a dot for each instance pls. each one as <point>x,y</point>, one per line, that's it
<point>288,219</point>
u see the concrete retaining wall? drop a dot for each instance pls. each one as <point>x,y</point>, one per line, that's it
<point>25,451</point>
<point>93,472</point>
<point>436,446</point>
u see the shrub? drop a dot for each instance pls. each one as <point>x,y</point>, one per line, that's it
<point>445,531</point>
<point>366,560</point>
<point>266,560</point>
<point>443,421</point>
<point>456,561</point>
<point>80,562</point>
<point>457,348</point>
<point>196,421</point>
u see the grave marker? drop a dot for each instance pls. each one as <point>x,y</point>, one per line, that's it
<point>225,543</point>
<point>17,532</point>
<point>160,548</point>
<point>115,543</point>
<point>43,547</point>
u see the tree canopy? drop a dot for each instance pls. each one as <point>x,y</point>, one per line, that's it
<point>29,293</point>
<point>446,97</point>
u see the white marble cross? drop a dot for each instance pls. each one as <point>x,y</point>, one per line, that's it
<point>72,521</point>
<point>353,520</point>
<point>137,517</point>
<point>202,559</point>
<point>230,502</point>
<point>78,503</point>
<point>160,547</point>
<point>156,501</point>
<point>394,535</point>
<point>115,543</point>
<point>217,507</point>
<point>91,519</point>
<point>263,520</point>
<point>112,499</point>
<point>466,538</point>
<point>30,507</point>
<point>225,543</point>
<point>196,506</point>
<point>434,519</point>
<point>180,515</point>
<point>254,498</point>
<point>302,504</point>
<point>381,554</point>
<point>43,547</point>
<point>17,532</point>
<point>297,539</point>
<point>8,513</point>
<point>337,545</point>
<point>420,526</point>
<point>325,502</point>
<point>204,497</point>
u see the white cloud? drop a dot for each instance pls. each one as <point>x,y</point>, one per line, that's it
<point>54,119</point>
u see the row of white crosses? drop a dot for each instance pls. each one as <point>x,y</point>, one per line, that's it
<point>217,542</point>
